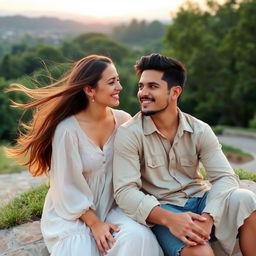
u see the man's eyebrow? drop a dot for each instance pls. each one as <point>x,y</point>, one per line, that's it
<point>150,83</point>
<point>153,83</point>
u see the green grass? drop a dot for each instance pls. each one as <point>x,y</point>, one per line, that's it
<point>228,149</point>
<point>7,165</point>
<point>245,175</point>
<point>23,208</point>
<point>242,174</point>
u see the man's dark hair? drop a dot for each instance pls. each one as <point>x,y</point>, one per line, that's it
<point>174,72</point>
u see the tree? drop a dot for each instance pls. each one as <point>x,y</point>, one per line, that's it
<point>217,46</point>
<point>95,43</point>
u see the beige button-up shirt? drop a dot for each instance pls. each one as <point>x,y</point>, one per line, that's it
<point>148,172</point>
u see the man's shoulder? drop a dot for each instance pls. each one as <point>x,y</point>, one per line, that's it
<point>132,126</point>
<point>196,124</point>
<point>134,123</point>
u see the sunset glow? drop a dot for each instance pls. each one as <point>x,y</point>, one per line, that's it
<point>143,9</point>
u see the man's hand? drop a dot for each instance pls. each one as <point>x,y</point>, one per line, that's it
<point>185,226</point>
<point>206,225</point>
<point>182,225</point>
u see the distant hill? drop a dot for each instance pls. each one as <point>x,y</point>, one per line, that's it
<point>33,26</point>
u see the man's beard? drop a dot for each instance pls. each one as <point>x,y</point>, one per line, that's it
<point>153,112</point>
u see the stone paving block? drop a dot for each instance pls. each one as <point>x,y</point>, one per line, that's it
<point>4,244</point>
<point>19,252</point>
<point>28,233</point>
<point>38,249</point>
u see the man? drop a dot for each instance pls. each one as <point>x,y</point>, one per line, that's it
<point>156,175</point>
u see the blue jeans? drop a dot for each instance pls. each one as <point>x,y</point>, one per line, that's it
<point>170,244</point>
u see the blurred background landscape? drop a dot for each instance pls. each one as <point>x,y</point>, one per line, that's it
<point>216,41</point>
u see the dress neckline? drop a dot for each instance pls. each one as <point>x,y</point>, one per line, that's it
<point>91,140</point>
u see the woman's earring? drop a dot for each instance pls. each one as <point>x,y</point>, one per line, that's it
<point>93,99</point>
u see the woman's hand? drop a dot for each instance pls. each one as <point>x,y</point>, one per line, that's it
<point>102,233</point>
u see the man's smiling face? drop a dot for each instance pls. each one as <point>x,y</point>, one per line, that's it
<point>153,93</point>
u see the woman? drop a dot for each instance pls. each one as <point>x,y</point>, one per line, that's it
<point>71,138</point>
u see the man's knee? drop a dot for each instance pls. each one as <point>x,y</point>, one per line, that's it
<point>242,198</point>
<point>199,250</point>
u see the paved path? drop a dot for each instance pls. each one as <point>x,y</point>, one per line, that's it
<point>12,184</point>
<point>26,239</point>
<point>245,144</point>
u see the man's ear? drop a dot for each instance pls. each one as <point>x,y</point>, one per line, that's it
<point>176,92</point>
<point>89,91</point>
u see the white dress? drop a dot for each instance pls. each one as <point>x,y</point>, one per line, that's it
<point>81,177</point>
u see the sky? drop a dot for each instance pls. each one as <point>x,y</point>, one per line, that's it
<point>94,9</point>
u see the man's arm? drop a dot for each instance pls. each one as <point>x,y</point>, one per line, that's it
<point>127,177</point>
<point>145,208</point>
<point>220,174</point>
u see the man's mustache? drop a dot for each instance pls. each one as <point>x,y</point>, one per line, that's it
<point>147,98</point>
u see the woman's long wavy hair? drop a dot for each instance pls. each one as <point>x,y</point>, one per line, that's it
<point>52,104</point>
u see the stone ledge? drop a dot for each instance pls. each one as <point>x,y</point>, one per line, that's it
<point>23,240</point>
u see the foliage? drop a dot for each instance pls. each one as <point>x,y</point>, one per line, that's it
<point>24,208</point>
<point>94,43</point>
<point>25,62</point>
<point>218,129</point>
<point>9,116</point>
<point>252,123</point>
<point>45,64</point>
<point>145,36</point>
<point>246,175</point>
<point>217,46</point>
<point>242,174</point>
<point>8,165</point>
<point>229,149</point>
<point>138,31</point>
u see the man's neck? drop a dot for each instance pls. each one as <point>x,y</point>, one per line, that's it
<point>167,123</point>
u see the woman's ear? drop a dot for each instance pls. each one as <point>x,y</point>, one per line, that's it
<point>89,91</point>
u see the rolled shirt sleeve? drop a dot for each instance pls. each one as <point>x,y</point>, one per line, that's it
<point>220,174</point>
<point>127,177</point>
<point>70,192</point>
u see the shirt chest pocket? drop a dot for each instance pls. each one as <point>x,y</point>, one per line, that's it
<point>188,165</point>
<point>155,169</point>
<point>155,161</point>
<point>188,160</point>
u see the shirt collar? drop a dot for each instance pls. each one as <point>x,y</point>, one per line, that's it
<point>184,125</point>
<point>149,126</point>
